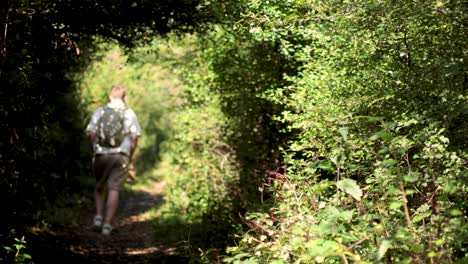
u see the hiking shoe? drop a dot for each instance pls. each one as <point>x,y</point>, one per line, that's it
<point>106,229</point>
<point>97,222</point>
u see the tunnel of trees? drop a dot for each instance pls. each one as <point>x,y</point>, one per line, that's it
<point>289,131</point>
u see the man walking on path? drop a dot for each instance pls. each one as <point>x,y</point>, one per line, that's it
<point>113,132</point>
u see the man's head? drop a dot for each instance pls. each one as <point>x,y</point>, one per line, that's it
<point>117,92</point>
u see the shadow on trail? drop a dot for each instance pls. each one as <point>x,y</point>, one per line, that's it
<point>133,239</point>
<point>149,156</point>
<point>154,134</point>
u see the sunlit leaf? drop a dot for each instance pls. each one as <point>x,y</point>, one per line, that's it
<point>412,177</point>
<point>384,246</point>
<point>344,132</point>
<point>350,187</point>
<point>388,162</point>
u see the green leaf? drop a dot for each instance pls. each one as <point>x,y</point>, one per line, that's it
<point>375,119</point>
<point>382,134</point>
<point>344,132</point>
<point>417,218</point>
<point>439,242</point>
<point>325,165</point>
<point>456,212</point>
<point>386,243</point>
<point>395,205</point>
<point>412,177</point>
<point>7,248</point>
<point>331,245</point>
<point>350,187</point>
<point>388,162</point>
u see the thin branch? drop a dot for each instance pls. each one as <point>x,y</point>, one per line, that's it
<point>5,31</point>
<point>358,242</point>
<point>253,225</point>
<point>405,200</point>
<point>405,206</point>
<point>345,260</point>
<point>408,50</point>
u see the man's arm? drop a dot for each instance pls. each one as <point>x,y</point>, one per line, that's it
<point>92,136</point>
<point>133,146</point>
<point>131,164</point>
<point>135,132</point>
<point>91,140</point>
<point>91,129</point>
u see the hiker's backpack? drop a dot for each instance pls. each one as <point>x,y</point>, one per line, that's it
<point>110,127</point>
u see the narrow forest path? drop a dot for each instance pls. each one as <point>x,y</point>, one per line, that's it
<point>132,240</point>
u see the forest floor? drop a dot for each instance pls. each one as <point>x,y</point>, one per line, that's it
<point>133,239</point>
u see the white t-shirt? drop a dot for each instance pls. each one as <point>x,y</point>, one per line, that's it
<point>131,128</point>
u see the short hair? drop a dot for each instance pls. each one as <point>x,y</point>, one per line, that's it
<point>117,92</point>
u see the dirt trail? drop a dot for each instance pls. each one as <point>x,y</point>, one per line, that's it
<point>131,241</point>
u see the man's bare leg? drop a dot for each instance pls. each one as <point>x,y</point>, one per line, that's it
<point>99,200</point>
<point>112,204</point>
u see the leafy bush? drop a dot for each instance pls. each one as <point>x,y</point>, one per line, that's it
<point>376,168</point>
<point>198,164</point>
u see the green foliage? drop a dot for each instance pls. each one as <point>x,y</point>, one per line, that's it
<point>378,105</point>
<point>198,164</point>
<point>41,128</point>
<point>13,249</point>
<point>319,131</point>
<point>182,142</point>
<point>243,70</point>
<point>43,46</point>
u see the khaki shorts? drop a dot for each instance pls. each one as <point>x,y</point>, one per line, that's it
<point>110,171</point>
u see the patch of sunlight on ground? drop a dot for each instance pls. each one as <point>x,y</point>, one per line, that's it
<point>152,182</point>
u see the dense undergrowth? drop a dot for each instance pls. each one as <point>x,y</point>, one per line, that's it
<point>305,131</point>
<point>347,126</point>
<point>375,166</point>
